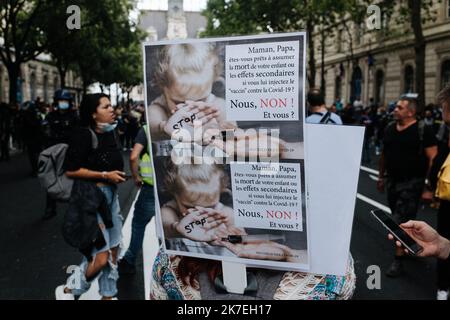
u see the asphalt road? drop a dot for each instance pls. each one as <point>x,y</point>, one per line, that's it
<point>34,256</point>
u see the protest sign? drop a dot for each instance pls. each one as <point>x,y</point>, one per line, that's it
<point>226,120</point>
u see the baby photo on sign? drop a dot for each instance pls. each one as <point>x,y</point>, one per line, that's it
<point>217,160</point>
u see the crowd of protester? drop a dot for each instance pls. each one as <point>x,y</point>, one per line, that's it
<point>31,126</point>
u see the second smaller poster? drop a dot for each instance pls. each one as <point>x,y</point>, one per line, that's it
<point>226,119</point>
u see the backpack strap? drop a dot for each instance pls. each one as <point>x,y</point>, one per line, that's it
<point>440,135</point>
<point>327,118</point>
<point>117,139</point>
<point>94,140</point>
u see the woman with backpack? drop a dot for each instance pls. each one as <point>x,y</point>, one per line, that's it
<point>100,167</point>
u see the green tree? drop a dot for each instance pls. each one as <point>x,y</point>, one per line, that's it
<point>237,17</point>
<point>419,12</point>
<point>23,39</point>
<point>407,15</point>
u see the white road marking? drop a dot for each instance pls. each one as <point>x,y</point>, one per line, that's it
<point>373,203</point>
<point>151,245</point>
<point>375,178</point>
<point>370,170</point>
<point>149,251</point>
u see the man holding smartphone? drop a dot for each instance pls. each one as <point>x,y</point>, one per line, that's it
<point>407,156</point>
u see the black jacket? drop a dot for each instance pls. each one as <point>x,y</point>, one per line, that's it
<point>80,228</point>
<point>61,124</point>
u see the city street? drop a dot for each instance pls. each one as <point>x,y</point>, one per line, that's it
<point>35,256</point>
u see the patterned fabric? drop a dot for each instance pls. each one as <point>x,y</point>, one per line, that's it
<point>166,285</point>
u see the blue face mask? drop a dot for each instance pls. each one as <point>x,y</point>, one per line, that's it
<point>63,105</point>
<point>106,127</point>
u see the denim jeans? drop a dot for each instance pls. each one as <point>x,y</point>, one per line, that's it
<point>144,210</point>
<point>107,279</point>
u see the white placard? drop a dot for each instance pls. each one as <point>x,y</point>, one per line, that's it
<point>262,81</point>
<point>332,169</point>
<point>268,195</point>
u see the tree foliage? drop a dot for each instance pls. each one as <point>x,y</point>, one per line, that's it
<point>105,49</point>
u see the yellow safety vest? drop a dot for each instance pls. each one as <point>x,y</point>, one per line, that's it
<point>145,164</point>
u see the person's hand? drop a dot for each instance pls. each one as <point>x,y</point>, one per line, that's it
<point>265,250</point>
<point>115,176</point>
<point>205,111</point>
<point>247,144</point>
<point>138,181</point>
<point>432,243</point>
<point>223,231</point>
<point>199,226</point>
<point>182,118</point>
<point>380,185</point>
<point>427,196</point>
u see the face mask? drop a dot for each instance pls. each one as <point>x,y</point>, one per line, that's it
<point>63,105</point>
<point>106,127</point>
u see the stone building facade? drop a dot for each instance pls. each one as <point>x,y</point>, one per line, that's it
<point>385,60</point>
<point>39,78</point>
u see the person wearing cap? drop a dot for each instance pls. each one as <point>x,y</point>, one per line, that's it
<point>409,148</point>
<point>60,121</point>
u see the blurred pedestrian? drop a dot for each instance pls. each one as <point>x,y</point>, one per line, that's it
<point>348,114</point>
<point>61,121</point>
<point>339,105</point>
<point>121,126</point>
<point>98,169</point>
<point>6,119</point>
<point>368,123</point>
<point>142,171</point>
<point>33,134</point>
<point>428,116</point>
<point>318,112</point>
<point>409,148</point>
<point>380,127</point>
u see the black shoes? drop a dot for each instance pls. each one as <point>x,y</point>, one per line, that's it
<point>396,269</point>
<point>126,268</point>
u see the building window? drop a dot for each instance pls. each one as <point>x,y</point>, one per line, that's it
<point>33,86</point>
<point>379,87</point>
<point>339,41</point>
<point>338,87</point>
<point>448,9</point>
<point>445,74</point>
<point>356,84</point>
<point>55,84</point>
<point>408,79</point>
<point>45,89</point>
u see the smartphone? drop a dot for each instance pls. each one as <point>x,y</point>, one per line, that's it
<point>128,176</point>
<point>396,231</point>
